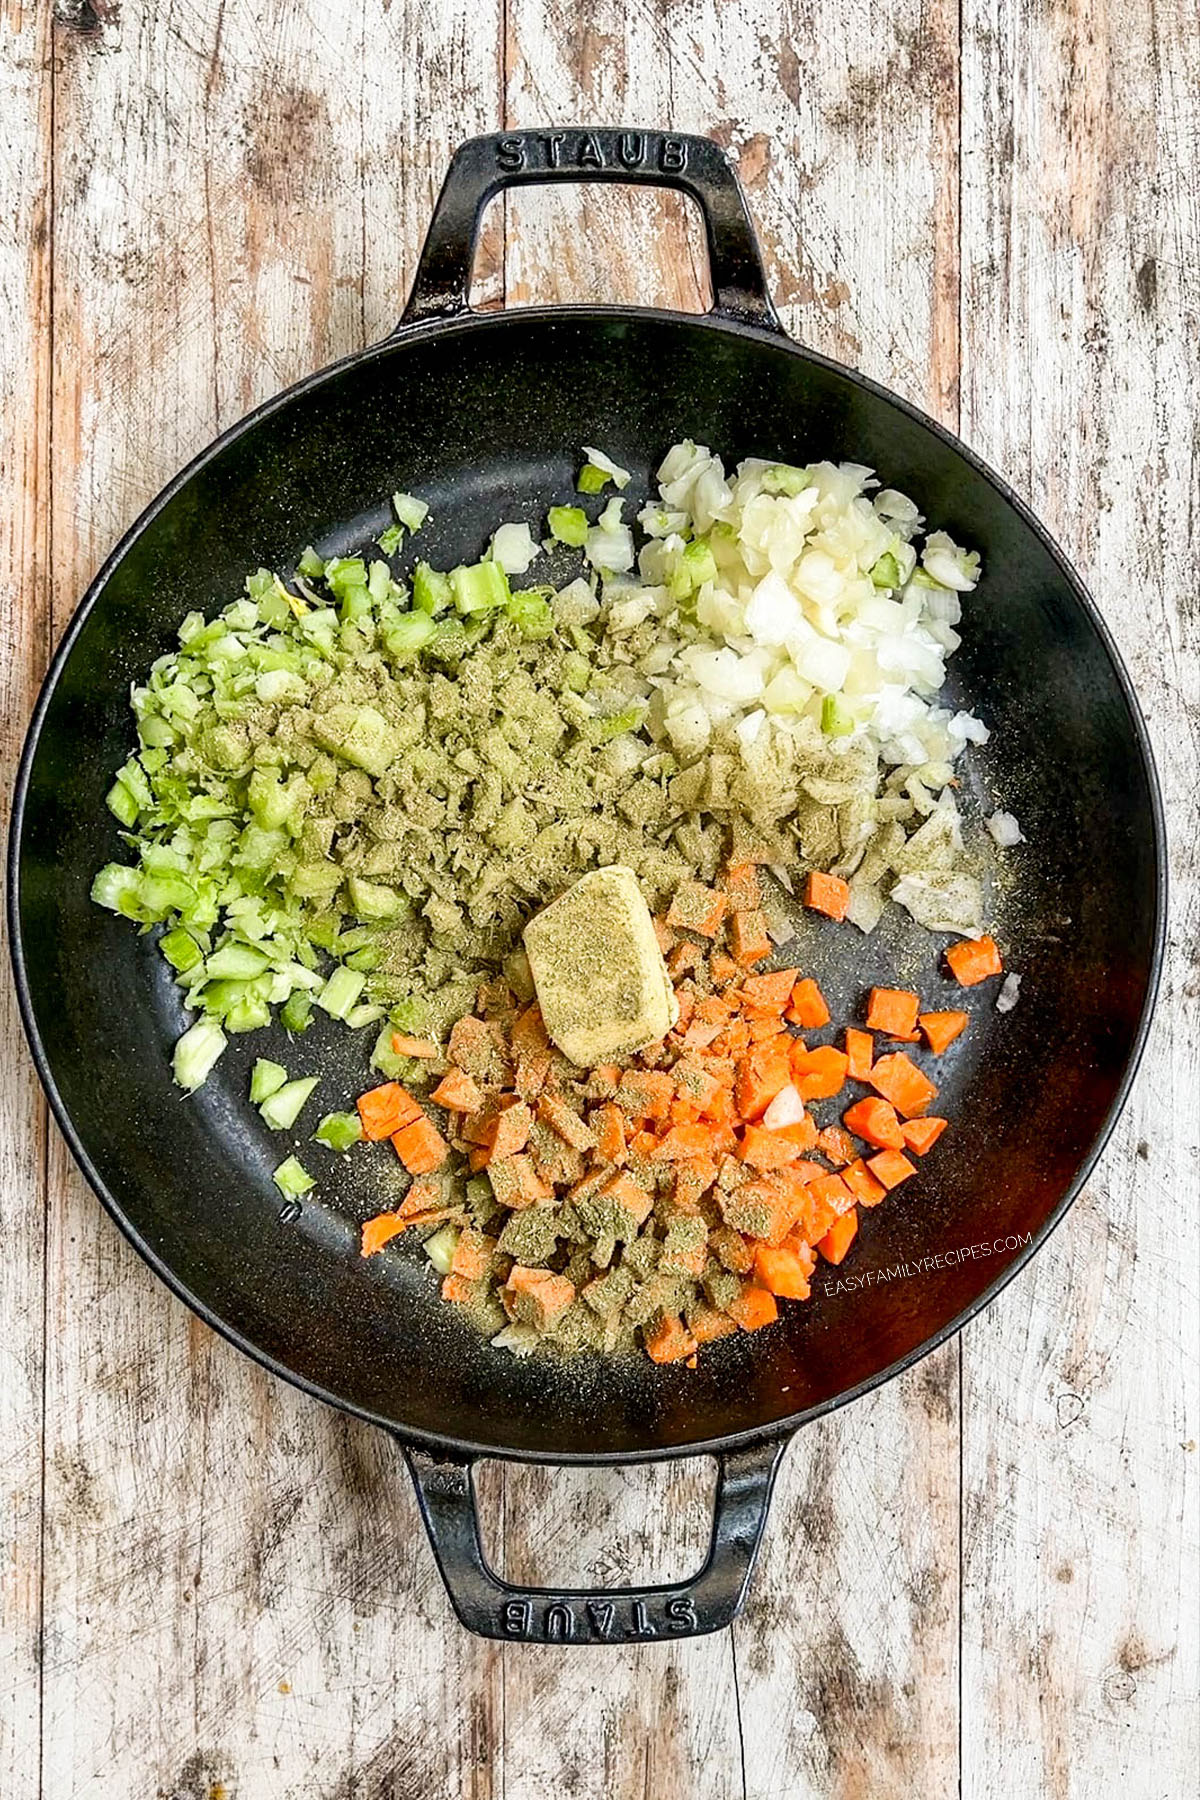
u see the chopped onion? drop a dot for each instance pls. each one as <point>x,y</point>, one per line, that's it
<point>513,547</point>
<point>1005,830</point>
<point>1010,993</point>
<point>787,1108</point>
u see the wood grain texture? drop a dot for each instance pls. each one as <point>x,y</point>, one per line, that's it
<point>238,1601</point>
<point>232,1569</point>
<point>24,640</point>
<point>1080,309</point>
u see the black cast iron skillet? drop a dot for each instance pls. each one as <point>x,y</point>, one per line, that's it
<point>484,416</point>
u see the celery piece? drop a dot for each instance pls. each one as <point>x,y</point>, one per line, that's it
<point>359,735</point>
<point>236,962</point>
<point>339,1130</point>
<point>596,459</point>
<point>592,480</point>
<point>341,991</point>
<point>411,632</point>
<point>345,572</point>
<point>569,525</point>
<point>292,1179</point>
<point>530,613</point>
<point>379,582</point>
<point>181,950</point>
<point>577,671</point>
<point>122,804</point>
<point>390,539</point>
<point>409,1015</point>
<point>373,900</point>
<point>196,1052</point>
<point>410,511</point>
<point>431,590</point>
<point>479,587</point>
<point>296,1011</point>
<point>281,1109</point>
<point>368,958</point>
<point>366,1014</point>
<point>886,572</point>
<point>311,565</point>
<point>785,478</point>
<point>451,642</point>
<point>441,1246</point>
<point>266,1078</point>
<point>836,718</point>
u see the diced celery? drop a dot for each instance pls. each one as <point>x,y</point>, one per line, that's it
<point>339,1130</point>
<point>577,671</point>
<point>359,735</point>
<point>368,958</point>
<point>236,962</point>
<point>341,991</point>
<point>374,900</point>
<point>345,572</point>
<point>122,804</point>
<point>530,613</point>
<point>180,949</point>
<point>296,1012</point>
<point>569,525</point>
<point>196,1052</point>
<point>266,1078</point>
<point>836,718</point>
<point>118,887</point>
<point>292,1179</point>
<point>411,632</point>
<point>479,587</point>
<point>785,478</point>
<point>390,539</point>
<point>886,572</point>
<point>441,1246</point>
<point>281,1109</point>
<point>695,566</point>
<point>311,565</point>
<point>592,480</point>
<point>431,590</point>
<point>409,1015</point>
<point>367,1014</point>
<point>410,511</point>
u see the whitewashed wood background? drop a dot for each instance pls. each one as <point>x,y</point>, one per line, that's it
<point>980,1581</point>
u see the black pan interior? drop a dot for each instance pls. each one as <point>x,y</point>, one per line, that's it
<point>485,420</point>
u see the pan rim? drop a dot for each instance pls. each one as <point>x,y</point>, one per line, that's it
<point>447,1444</point>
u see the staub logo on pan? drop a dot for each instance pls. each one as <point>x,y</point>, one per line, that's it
<point>592,150</point>
<point>564,1621</point>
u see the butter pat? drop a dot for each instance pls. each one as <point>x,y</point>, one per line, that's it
<point>600,978</point>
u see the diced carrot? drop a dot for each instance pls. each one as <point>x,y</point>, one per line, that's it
<point>643,1143</point>
<point>694,1082</point>
<point>876,1121</point>
<point>731,1249</point>
<point>741,884</point>
<point>922,1134</point>
<point>566,1122</point>
<point>693,1178</point>
<point>458,1092</point>
<point>420,1146</point>
<point>723,968</point>
<point>478,1157</point>
<point>381,1230</point>
<point>683,959</point>
<point>941,1028</point>
<point>608,1123</point>
<point>385,1109</point>
<point>820,1073</point>
<point>892,1011</point>
<point>891,1167</point>
<point>770,992</point>
<point>827,894</point>
<point>838,1239</point>
<point>695,907</point>
<point>803,1133</point>
<point>629,1195</point>
<point>512,1132</point>
<point>781,1272</point>
<point>760,1076</point>
<point>528,1035</point>
<point>537,1296</point>
<point>472,1255</point>
<point>668,1339</point>
<point>403,1045</point>
<point>863,1185</point>
<point>972,960</point>
<point>837,1145</point>
<point>531,1077</point>
<point>767,1150</point>
<point>860,1049</point>
<point>458,1289</point>
<point>748,938</point>
<point>706,1324</point>
<point>682,1142</point>
<point>808,1008</point>
<point>808,1171</point>
<point>832,1190</point>
<point>664,936</point>
<point>899,1080</point>
<point>753,1308</point>
<point>645,1093</point>
<point>424,1195</point>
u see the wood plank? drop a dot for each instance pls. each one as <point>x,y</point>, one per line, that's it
<point>239,1596</point>
<point>24,639</point>
<point>863,261</point>
<point>1080,374</point>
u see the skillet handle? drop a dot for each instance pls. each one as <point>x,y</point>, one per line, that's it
<point>494,1608</point>
<point>485,166</point>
